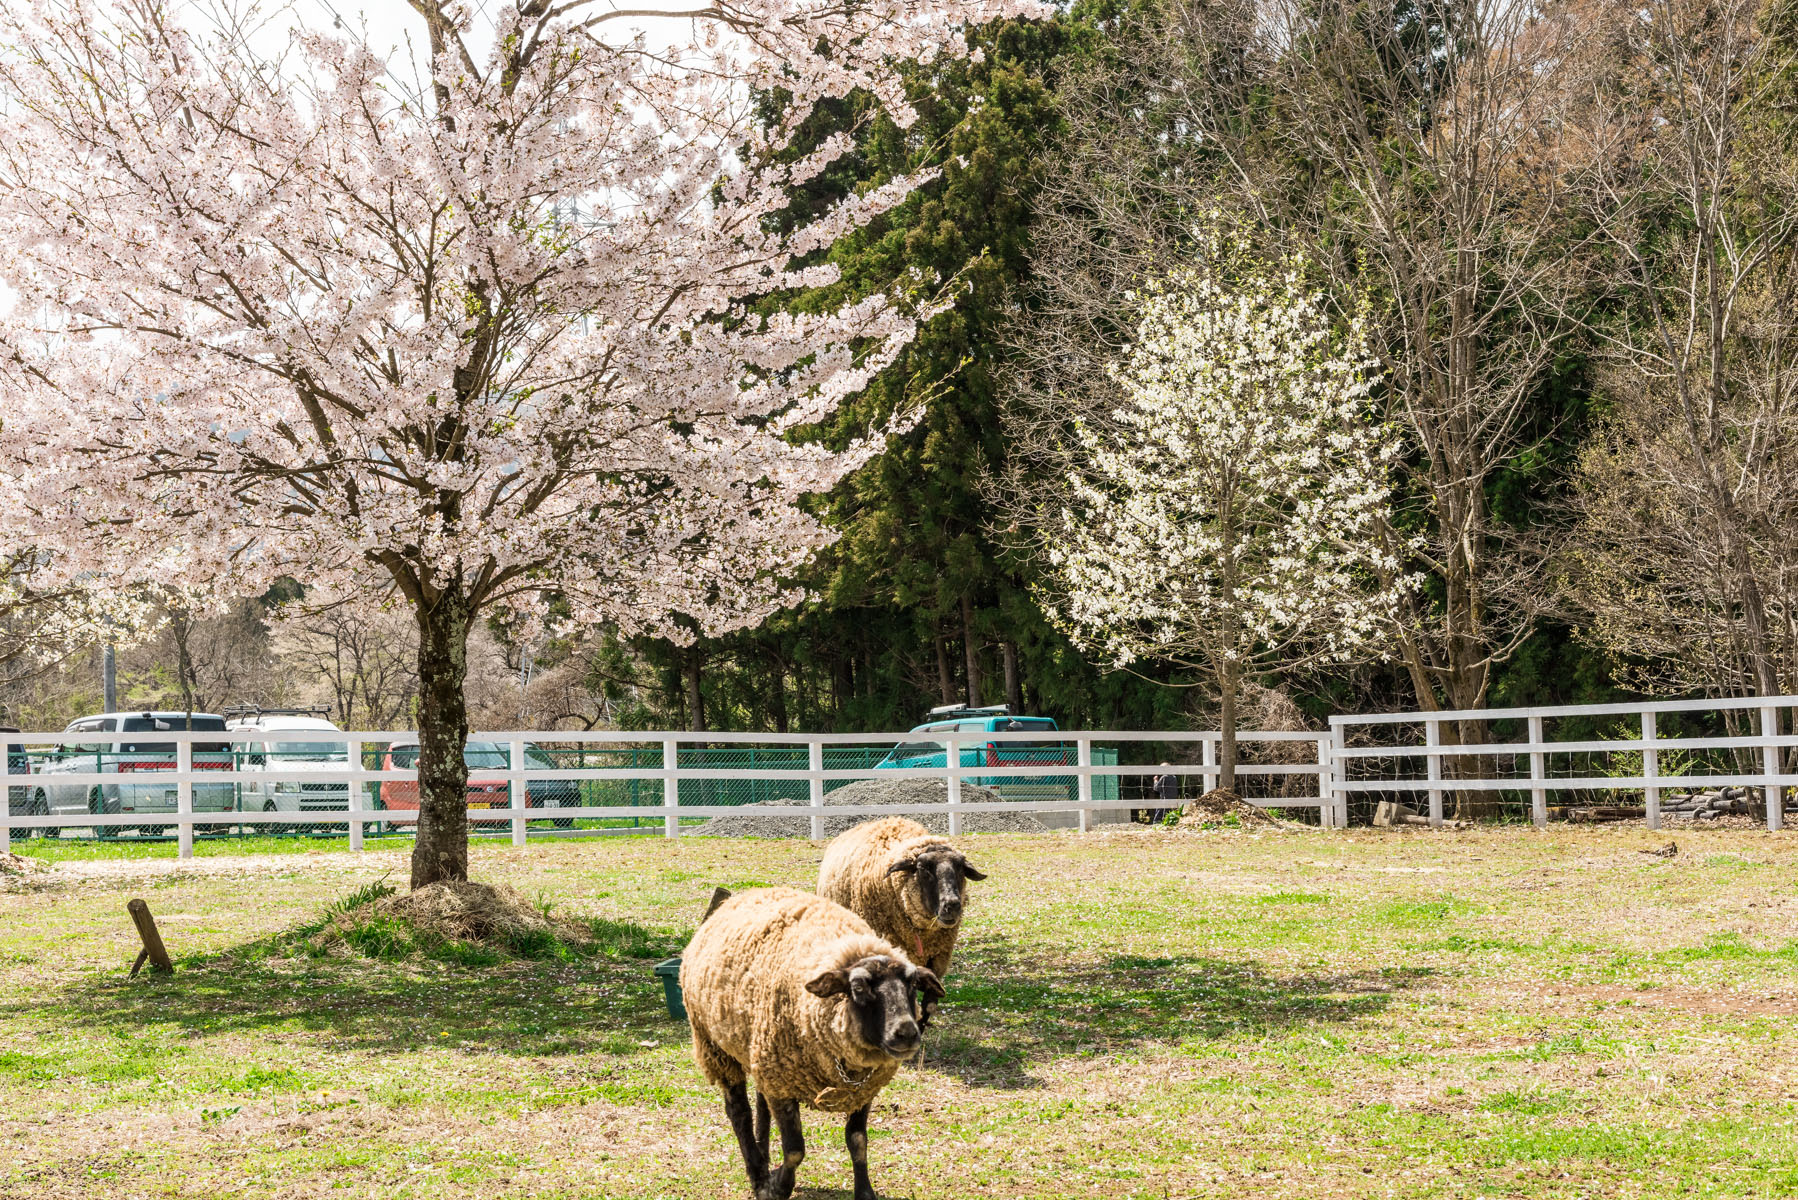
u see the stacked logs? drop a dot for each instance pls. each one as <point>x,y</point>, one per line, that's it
<point>1698,806</point>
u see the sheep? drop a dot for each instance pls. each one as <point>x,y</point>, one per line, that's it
<point>799,993</point>
<point>905,882</point>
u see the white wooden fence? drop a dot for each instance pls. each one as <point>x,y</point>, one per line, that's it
<point>1079,800</point>
<point>1398,755</point>
<point>1358,740</point>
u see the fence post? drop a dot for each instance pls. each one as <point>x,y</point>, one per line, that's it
<point>952,763</point>
<point>1538,773</point>
<point>1326,785</point>
<point>353,789</point>
<point>816,747</point>
<point>6,770</point>
<point>517,791</point>
<point>184,796</point>
<point>1208,760</point>
<point>1651,770</point>
<point>1084,759</point>
<point>670,787</point>
<point>1433,737</point>
<point>1770,787</point>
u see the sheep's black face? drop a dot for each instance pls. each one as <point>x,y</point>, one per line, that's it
<point>882,996</point>
<point>940,876</point>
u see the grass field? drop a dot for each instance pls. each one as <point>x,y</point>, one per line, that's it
<point>1133,1014</point>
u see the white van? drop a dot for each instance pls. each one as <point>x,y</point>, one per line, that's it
<point>291,741</point>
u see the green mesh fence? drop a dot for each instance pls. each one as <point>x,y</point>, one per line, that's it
<point>159,799</point>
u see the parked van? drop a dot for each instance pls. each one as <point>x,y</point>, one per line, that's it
<point>123,744</point>
<point>290,741</point>
<point>967,724</point>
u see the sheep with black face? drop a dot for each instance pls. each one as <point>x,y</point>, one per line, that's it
<point>903,880</point>
<point>801,995</point>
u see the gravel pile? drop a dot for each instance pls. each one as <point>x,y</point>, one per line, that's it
<point>742,821</point>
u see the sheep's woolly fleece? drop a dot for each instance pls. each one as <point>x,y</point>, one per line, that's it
<point>743,979</point>
<point>742,821</point>
<point>854,874</point>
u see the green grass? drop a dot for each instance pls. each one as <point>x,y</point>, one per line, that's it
<point>89,849</point>
<point>1496,1014</point>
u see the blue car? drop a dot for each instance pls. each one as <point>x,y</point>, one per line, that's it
<point>974,751</point>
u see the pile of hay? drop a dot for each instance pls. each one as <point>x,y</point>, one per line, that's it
<point>476,912</point>
<point>743,821</point>
<point>19,864</point>
<point>381,923</point>
<point>1217,807</point>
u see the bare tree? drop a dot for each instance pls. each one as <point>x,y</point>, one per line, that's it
<point>1686,563</point>
<point>216,660</point>
<point>364,661</point>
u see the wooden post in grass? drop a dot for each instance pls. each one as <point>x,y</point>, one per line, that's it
<point>153,950</point>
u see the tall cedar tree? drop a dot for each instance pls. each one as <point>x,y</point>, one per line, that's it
<point>917,586</point>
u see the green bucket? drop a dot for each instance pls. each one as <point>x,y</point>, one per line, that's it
<point>668,971</point>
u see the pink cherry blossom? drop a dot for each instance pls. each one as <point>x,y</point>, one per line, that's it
<point>471,346</point>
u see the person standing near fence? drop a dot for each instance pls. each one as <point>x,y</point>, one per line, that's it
<point>1167,789</point>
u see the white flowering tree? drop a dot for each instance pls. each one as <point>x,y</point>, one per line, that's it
<point>1230,514</point>
<point>493,334</point>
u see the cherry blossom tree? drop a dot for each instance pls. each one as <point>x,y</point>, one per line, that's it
<point>495,334</point>
<point>46,618</point>
<point>1230,514</point>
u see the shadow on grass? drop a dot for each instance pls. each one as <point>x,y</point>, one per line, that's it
<point>1003,1017</point>
<point>606,1000</point>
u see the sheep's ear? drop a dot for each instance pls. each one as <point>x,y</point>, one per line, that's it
<point>904,866</point>
<point>969,871</point>
<point>925,980</point>
<point>831,983</point>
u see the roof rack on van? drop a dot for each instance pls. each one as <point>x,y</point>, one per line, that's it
<point>240,712</point>
<point>962,710</point>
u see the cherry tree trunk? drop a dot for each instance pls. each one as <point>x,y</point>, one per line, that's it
<point>442,850</point>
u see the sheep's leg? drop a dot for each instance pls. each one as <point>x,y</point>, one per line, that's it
<point>855,1133</point>
<point>761,1122</point>
<point>792,1150</point>
<point>755,1161</point>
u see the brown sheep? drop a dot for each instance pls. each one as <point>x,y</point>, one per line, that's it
<point>905,882</point>
<point>800,994</point>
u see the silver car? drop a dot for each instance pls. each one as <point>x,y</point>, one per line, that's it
<point>123,744</point>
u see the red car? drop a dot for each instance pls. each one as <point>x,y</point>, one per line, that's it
<point>401,795</point>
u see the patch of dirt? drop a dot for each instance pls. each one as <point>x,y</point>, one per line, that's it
<point>223,866</point>
<point>1698,1001</point>
<point>1217,806</point>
